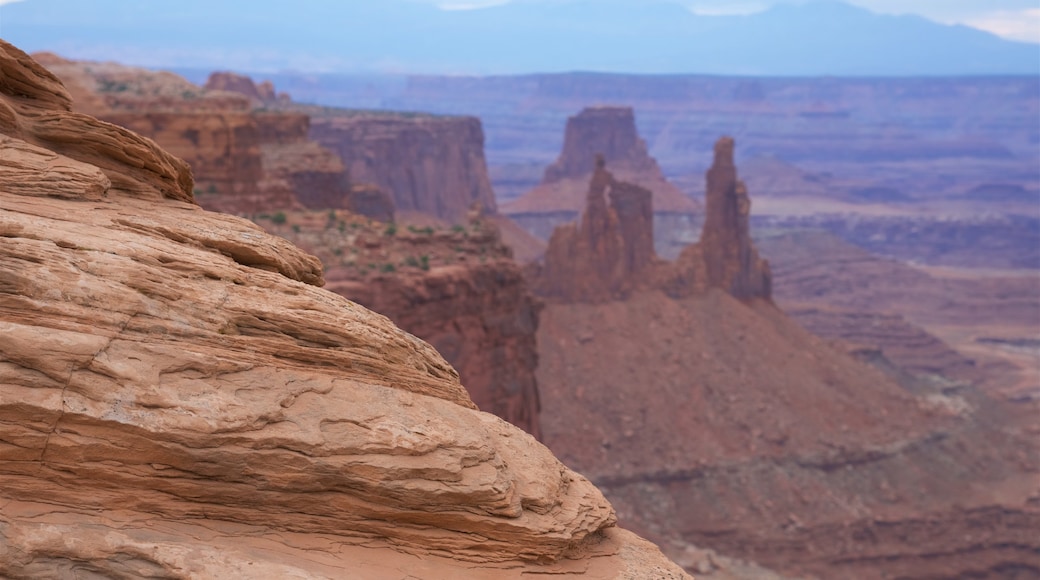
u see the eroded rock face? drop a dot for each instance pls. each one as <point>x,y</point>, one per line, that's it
<point>244,160</point>
<point>178,398</point>
<point>610,132</point>
<point>433,165</point>
<point>610,252</point>
<point>603,256</point>
<point>730,260</point>
<point>457,288</point>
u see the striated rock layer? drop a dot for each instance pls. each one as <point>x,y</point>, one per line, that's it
<point>433,165</point>
<point>245,160</point>
<point>178,398</point>
<point>457,288</point>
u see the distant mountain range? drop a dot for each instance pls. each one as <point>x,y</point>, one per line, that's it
<point>404,36</point>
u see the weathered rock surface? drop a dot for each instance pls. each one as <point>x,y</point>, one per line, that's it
<point>244,160</point>
<point>730,260</point>
<point>605,255</point>
<point>610,253</point>
<point>178,398</point>
<point>457,288</point>
<point>610,132</point>
<point>433,165</point>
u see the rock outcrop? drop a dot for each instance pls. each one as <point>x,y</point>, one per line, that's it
<point>457,288</point>
<point>178,398</point>
<point>610,252</point>
<point>725,253</point>
<point>433,165</point>
<point>604,255</point>
<point>610,132</point>
<point>243,85</point>
<point>245,160</point>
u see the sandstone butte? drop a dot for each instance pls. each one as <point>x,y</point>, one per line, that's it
<point>179,398</point>
<point>610,132</point>
<point>712,420</point>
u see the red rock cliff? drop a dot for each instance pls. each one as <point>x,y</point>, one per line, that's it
<point>243,85</point>
<point>244,160</point>
<point>179,398</point>
<point>433,165</point>
<point>457,288</point>
<point>603,256</point>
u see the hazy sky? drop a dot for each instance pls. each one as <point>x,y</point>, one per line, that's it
<point>1014,19</point>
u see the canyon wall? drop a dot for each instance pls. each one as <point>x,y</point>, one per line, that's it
<point>180,398</point>
<point>432,165</point>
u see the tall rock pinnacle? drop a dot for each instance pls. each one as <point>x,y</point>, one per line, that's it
<point>731,261</point>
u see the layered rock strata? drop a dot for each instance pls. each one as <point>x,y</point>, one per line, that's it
<point>457,288</point>
<point>245,160</point>
<point>178,398</point>
<point>610,132</point>
<point>433,165</point>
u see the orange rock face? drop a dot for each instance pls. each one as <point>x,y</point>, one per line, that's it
<point>433,165</point>
<point>179,398</point>
<point>244,160</point>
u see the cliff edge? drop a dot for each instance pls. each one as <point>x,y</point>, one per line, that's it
<point>179,397</point>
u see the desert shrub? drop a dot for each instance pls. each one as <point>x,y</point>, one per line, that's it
<point>279,218</point>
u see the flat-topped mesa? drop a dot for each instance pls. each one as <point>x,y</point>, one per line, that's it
<point>608,131</point>
<point>601,258</point>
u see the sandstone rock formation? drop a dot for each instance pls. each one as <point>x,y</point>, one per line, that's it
<point>722,424</point>
<point>610,132</point>
<point>428,164</point>
<point>236,83</point>
<point>604,255</point>
<point>457,288</point>
<point>244,160</point>
<point>610,253</point>
<point>178,398</point>
<point>725,249</point>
